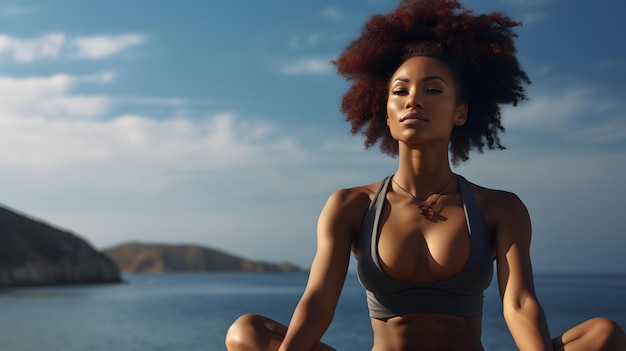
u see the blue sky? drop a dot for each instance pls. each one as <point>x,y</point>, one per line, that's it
<point>217,123</point>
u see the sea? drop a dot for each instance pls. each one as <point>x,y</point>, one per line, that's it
<point>193,311</point>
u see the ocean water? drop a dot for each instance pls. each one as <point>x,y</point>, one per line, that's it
<point>193,311</point>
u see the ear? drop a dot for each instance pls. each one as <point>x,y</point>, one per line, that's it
<point>387,119</point>
<point>461,115</point>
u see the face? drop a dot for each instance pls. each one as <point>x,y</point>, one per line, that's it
<point>422,102</point>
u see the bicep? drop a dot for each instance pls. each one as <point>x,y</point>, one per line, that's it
<point>332,256</point>
<point>513,236</point>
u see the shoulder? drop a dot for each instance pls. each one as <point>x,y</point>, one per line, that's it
<point>348,206</point>
<point>354,199</point>
<point>354,196</point>
<point>499,207</point>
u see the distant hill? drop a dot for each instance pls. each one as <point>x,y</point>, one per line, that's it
<point>35,253</point>
<point>159,258</point>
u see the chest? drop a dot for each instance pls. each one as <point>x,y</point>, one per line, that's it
<point>412,248</point>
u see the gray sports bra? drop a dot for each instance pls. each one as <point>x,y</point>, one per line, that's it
<point>461,295</point>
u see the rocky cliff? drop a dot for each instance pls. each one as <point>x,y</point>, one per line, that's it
<point>157,258</point>
<point>35,253</point>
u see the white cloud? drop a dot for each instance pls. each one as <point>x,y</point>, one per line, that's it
<point>548,111</point>
<point>48,98</point>
<point>50,130</point>
<point>28,50</point>
<point>577,113</point>
<point>57,45</point>
<point>303,66</point>
<point>603,134</point>
<point>98,47</point>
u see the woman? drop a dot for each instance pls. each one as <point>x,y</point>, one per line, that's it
<point>427,81</point>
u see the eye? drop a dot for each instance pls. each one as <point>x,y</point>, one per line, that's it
<point>434,90</point>
<point>398,91</point>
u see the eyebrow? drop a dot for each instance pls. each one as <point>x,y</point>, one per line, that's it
<point>425,79</point>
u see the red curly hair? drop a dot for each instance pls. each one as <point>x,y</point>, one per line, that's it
<point>479,50</point>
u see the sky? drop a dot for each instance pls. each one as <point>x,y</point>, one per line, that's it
<point>218,123</point>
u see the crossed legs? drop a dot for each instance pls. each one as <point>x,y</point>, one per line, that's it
<point>252,332</point>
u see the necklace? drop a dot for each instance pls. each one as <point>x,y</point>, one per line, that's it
<point>428,210</point>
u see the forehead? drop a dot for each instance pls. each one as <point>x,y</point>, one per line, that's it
<point>420,66</point>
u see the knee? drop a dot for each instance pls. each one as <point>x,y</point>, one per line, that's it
<point>242,332</point>
<point>605,326</point>
<point>608,333</point>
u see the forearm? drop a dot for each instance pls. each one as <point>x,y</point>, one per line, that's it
<point>527,324</point>
<point>308,324</point>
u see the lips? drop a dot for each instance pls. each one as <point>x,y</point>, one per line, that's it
<point>412,116</point>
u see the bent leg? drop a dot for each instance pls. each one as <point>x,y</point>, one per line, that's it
<point>594,334</point>
<point>252,332</point>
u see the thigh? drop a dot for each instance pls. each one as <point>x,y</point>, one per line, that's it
<point>252,331</point>
<point>277,333</point>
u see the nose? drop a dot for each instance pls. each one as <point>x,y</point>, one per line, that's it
<point>412,101</point>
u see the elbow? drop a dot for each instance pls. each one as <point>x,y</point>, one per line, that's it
<point>519,303</point>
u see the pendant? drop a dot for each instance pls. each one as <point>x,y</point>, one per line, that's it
<point>427,211</point>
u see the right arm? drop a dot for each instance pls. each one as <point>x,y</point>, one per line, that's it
<point>335,229</point>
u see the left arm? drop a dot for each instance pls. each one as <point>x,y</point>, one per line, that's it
<point>523,314</point>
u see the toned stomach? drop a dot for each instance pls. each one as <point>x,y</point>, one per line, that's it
<point>427,331</point>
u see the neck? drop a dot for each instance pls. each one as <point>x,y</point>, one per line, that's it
<point>423,172</point>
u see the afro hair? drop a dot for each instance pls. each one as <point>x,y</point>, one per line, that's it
<point>478,49</point>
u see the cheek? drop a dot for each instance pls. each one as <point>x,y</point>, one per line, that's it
<point>443,108</point>
<point>393,106</point>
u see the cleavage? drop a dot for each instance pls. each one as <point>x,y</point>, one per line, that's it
<point>413,249</point>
